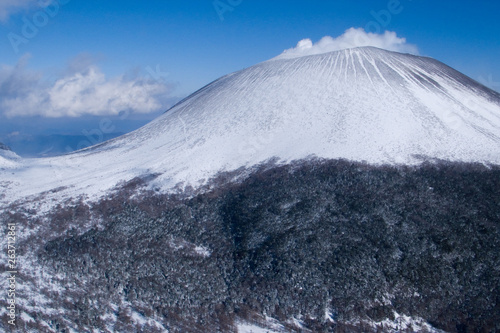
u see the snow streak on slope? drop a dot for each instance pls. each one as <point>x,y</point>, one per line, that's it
<point>361,104</point>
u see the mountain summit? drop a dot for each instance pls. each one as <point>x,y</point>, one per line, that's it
<point>362,104</point>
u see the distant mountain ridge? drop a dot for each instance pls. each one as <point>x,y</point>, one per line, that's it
<point>4,147</point>
<point>34,146</point>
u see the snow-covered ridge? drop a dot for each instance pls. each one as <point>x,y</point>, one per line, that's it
<point>362,104</point>
<point>7,157</point>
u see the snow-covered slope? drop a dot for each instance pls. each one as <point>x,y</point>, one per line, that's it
<point>7,157</point>
<point>362,104</point>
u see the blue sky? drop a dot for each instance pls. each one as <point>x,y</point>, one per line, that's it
<point>155,52</point>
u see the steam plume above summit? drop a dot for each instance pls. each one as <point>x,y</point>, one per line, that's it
<point>351,38</point>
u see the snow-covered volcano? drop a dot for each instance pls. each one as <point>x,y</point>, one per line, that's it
<point>362,104</point>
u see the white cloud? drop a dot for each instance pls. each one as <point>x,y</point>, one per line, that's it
<point>8,7</point>
<point>85,91</point>
<point>350,39</point>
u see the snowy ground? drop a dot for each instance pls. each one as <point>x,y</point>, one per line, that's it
<point>247,328</point>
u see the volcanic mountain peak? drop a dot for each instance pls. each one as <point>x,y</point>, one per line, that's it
<point>362,104</point>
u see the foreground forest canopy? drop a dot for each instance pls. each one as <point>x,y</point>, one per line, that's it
<point>356,242</point>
